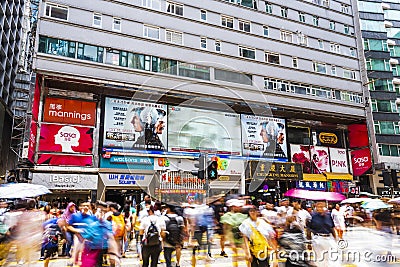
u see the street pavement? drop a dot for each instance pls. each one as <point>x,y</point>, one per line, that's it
<point>362,247</point>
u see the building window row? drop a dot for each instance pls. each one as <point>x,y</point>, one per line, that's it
<point>384,106</point>
<point>312,90</point>
<point>380,85</point>
<point>245,3</point>
<point>389,150</point>
<point>387,127</point>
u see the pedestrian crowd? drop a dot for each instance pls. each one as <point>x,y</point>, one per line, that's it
<point>93,234</point>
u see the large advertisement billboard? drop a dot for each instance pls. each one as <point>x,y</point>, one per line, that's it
<point>65,139</point>
<point>133,125</point>
<point>264,137</point>
<point>338,158</point>
<point>361,161</point>
<point>315,159</point>
<point>193,130</point>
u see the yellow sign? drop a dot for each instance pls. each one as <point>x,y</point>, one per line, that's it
<point>328,138</point>
<point>223,178</point>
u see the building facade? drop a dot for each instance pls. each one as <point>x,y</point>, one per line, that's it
<point>380,28</point>
<point>250,67</point>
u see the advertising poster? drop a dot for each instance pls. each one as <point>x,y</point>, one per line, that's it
<point>132,125</point>
<point>193,130</point>
<point>65,139</point>
<point>319,159</point>
<point>301,154</point>
<point>264,137</point>
<point>32,141</point>
<point>358,135</point>
<point>361,161</point>
<point>339,160</point>
<point>69,111</point>
<point>65,160</point>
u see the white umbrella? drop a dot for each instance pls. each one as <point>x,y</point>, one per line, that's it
<point>353,200</point>
<point>22,190</point>
<point>395,200</point>
<point>375,204</point>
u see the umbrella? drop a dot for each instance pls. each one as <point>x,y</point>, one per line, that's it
<point>368,195</point>
<point>395,200</point>
<point>314,195</point>
<point>353,200</point>
<point>22,190</point>
<point>375,204</point>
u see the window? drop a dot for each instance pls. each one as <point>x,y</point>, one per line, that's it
<point>203,42</point>
<point>334,47</point>
<point>286,36</point>
<point>90,52</point>
<point>284,12</point>
<point>386,127</point>
<point>389,150</point>
<point>332,25</point>
<point>138,61</point>
<point>154,4</point>
<point>380,85</point>
<point>268,7</point>
<point>295,62</point>
<point>227,22</point>
<point>320,44</point>
<point>244,25</point>
<point>346,29</point>
<point>376,45</point>
<point>174,37</point>
<point>378,64</point>
<point>302,17</point>
<point>117,24</point>
<point>319,67</point>
<point>56,11</point>
<point>217,46</point>
<point>175,8</point>
<point>112,57</point>
<point>352,52</point>
<point>395,70</point>
<point>302,39</point>
<point>386,106</point>
<point>193,71</point>
<point>163,65</point>
<point>271,57</point>
<point>57,47</point>
<point>203,15</point>
<point>315,20</point>
<point>248,3</point>
<point>349,74</point>
<point>266,30</point>
<point>247,52</point>
<point>234,77</point>
<point>97,20</point>
<point>345,9</point>
<point>151,32</point>
<point>333,70</point>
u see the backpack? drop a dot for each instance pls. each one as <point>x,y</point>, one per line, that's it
<point>152,235</point>
<point>174,231</point>
<point>118,225</point>
<point>258,244</point>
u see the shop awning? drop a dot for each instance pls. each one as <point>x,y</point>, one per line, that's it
<point>314,177</point>
<point>338,176</point>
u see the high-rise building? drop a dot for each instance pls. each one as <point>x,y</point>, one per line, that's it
<point>298,58</point>
<point>380,27</point>
<point>11,24</point>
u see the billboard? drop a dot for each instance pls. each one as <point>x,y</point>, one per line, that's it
<point>264,137</point>
<point>133,125</point>
<point>65,138</point>
<point>358,135</point>
<point>65,160</point>
<point>69,111</point>
<point>315,159</point>
<point>361,161</point>
<point>338,159</point>
<point>193,130</point>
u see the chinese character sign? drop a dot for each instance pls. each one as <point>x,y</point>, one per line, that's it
<point>309,185</point>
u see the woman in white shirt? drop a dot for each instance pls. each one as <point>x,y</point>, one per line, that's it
<point>339,221</point>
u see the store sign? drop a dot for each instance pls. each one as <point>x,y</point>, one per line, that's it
<point>339,187</point>
<point>127,162</point>
<point>277,170</point>
<point>355,190</point>
<point>126,179</point>
<point>329,138</point>
<point>388,192</point>
<point>358,135</point>
<point>361,161</point>
<point>308,185</point>
<point>338,159</point>
<point>65,139</point>
<point>65,160</point>
<point>66,181</point>
<point>68,111</point>
<point>32,141</point>
<point>264,137</point>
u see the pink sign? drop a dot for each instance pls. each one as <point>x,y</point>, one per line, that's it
<point>65,138</point>
<point>361,161</point>
<point>319,159</point>
<point>65,160</point>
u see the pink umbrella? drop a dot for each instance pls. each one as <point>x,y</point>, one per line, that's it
<point>314,195</point>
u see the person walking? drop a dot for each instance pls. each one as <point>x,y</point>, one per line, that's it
<point>339,221</point>
<point>152,228</point>
<point>174,225</point>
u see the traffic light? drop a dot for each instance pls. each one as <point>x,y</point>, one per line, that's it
<point>213,170</point>
<point>387,180</point>
<point>395,181</point>
<point>200,172</point>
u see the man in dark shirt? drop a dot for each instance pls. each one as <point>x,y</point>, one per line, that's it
<point>322,227</point>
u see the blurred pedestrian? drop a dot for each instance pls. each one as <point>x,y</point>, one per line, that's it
<point>174,226</point>
<point>339,221</point>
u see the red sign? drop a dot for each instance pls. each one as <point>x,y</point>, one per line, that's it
<point>65,160</point>
<point>69,111</point>
<point>36,99</point>
<point>361,161</point>
<point>358,135</point>
<point>65,138</point>
<point>32,141</point>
